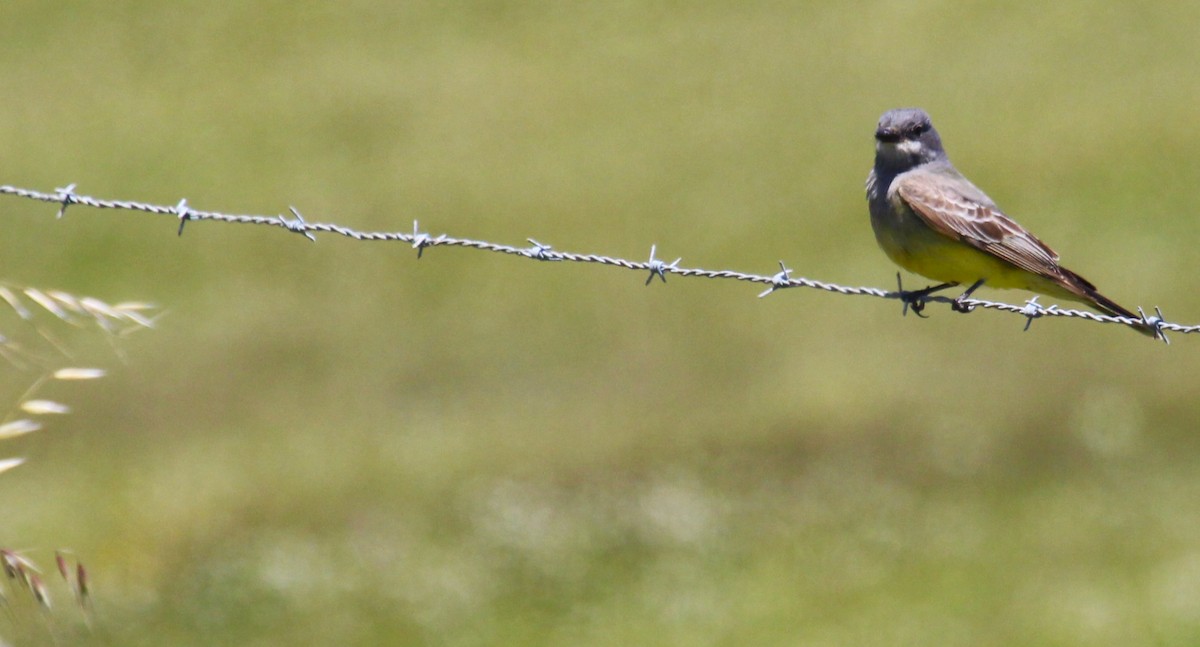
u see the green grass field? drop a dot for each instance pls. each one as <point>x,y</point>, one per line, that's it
<point>336,443</point>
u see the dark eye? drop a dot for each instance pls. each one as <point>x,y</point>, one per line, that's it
<point>919,129</point>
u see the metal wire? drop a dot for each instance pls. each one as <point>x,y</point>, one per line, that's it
<point>1030,310</point>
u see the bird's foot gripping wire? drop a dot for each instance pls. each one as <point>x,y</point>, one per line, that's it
<point>916,299</point>
<point>959,303</point>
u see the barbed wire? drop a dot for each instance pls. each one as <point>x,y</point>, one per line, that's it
<point>1030,310</point>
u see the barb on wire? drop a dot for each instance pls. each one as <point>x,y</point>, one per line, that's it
<point>782,279</point>
<point>1030,310</point>
<point>540,251</point>
<point>183,213</point>
<point>420,240</point>
<point>66,196</point>
<point>298,225</point>
<point>659,268</point>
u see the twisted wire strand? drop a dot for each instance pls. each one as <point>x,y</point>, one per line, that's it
<point>1030,310</point>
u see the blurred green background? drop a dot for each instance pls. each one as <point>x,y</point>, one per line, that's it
<point>334,443</point>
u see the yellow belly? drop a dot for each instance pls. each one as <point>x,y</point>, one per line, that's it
<point>914,246</point>
<point>950,261</point>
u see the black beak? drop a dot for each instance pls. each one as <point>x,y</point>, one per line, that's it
<point>887,135</point>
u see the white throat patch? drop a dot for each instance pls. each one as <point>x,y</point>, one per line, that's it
<point>910,146</point>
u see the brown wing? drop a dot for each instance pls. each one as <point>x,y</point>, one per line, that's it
<point>954,207</point>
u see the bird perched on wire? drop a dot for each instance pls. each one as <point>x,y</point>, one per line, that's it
<point>931,220</point>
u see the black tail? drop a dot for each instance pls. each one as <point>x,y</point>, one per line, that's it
<point>1104,304</point>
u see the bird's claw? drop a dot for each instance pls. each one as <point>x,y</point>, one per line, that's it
<point>914,299</point>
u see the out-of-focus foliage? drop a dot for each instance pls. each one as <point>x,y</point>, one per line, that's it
<point>334,443</point>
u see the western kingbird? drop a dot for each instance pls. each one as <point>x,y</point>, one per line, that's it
<point>932,221</point>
